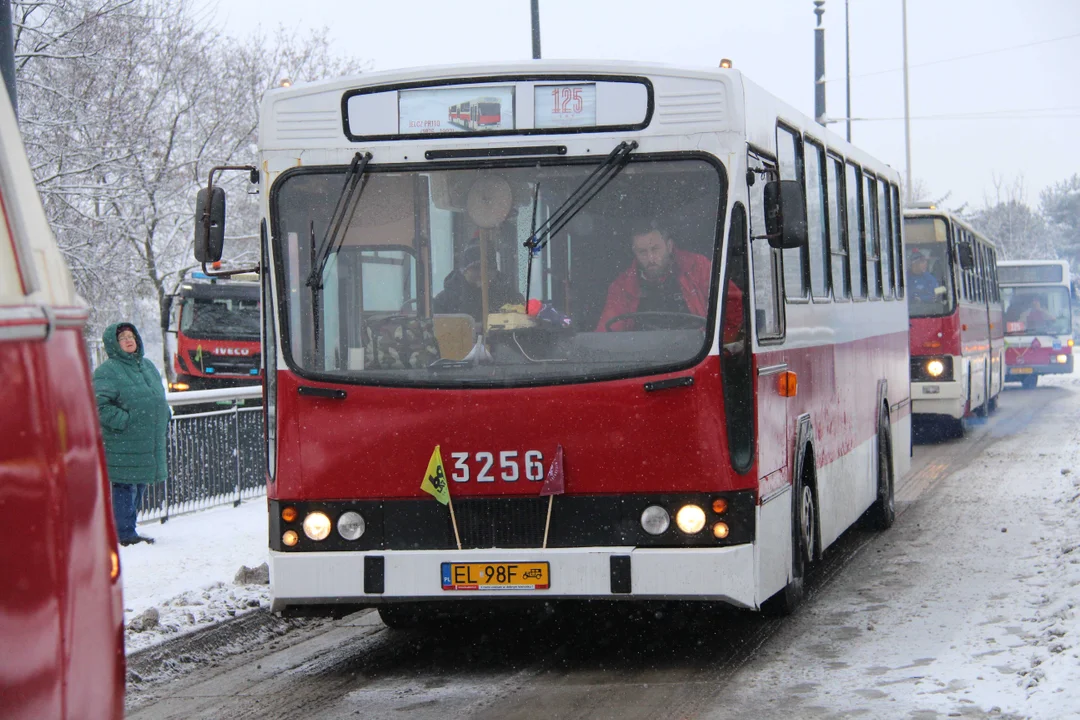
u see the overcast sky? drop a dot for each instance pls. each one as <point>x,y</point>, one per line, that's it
<point>1009,107</point>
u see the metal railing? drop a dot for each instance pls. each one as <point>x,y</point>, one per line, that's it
<point>216,457</point>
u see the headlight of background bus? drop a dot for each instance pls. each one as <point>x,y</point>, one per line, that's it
<point>655,520</point>
<point>317,526</point>
<point>351,525</point>
<point>934,368</point>
<point>690,519</point>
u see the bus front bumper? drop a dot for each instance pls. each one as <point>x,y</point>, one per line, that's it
<point>370,578</point>
<point>1016,373</point>
<point>938,398</point>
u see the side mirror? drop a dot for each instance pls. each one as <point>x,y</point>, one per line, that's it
<point>966,256</point>
<point>209,240</point>
<point>785,214</point>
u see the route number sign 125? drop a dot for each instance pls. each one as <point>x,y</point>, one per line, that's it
<point>557,106</point>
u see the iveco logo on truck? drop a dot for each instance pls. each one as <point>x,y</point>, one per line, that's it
<point>231,351</point>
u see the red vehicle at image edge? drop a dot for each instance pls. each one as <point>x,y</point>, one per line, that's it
<point>61,613</point>
<point>714,445</point>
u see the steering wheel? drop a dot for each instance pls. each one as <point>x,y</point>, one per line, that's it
<point>405,305</point>
<point>661,320</point>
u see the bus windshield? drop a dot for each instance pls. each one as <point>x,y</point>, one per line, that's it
<point>625,288</point>
<point>929,273</point>
<point>1037,310</point>
<point>220,318</point>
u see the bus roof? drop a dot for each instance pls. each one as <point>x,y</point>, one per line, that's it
<point>684,100</point>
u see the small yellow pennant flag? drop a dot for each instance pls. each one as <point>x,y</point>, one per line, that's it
<point>435,479</point>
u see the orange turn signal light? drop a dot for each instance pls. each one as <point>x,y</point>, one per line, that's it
<point>290,538</point>
<point>789,384</point>
<point>719,505</point>
<point>288,514</point>
<point>931,344</point>
<point>114,564</point>
<point>1070,342</point>
<point>720,531</point>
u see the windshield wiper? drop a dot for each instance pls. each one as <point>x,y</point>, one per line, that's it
<point>578,199</point>
<point>339,221</point>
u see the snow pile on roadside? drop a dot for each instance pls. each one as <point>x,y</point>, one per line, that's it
<point>185,580</point>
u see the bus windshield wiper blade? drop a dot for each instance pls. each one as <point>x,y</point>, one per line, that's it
<point>581,196</point>
<point>346,205</point>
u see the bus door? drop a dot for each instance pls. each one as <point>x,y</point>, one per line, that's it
<point>769,358</point>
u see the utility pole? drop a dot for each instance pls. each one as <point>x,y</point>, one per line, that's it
<point>819,64</point>
<point>7,52</point>
<point>907,109</point>
<point>536,29</point>
<point>847,61</point>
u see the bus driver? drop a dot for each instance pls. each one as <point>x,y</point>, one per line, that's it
<point>662,278</point>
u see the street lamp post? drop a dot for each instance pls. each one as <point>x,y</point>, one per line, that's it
<point>819,64</point>
<point>907,110</point>
<point>847,62</point>
<point>536,29</point>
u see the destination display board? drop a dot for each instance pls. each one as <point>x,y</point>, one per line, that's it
<point>1025,274</point>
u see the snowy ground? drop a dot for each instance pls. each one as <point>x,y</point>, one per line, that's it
<point>187,574</point>
<point>968,607</point>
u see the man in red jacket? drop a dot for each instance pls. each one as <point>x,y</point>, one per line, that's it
<point>662,278</point>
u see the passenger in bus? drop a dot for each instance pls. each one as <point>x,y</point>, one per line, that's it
<point>1035,316</point>
<point>134,423</point>
<point>923,284</point>
<point>461,291</point>
<point>661,278</point>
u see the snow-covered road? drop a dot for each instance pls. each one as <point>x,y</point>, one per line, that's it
<point>967,607</point>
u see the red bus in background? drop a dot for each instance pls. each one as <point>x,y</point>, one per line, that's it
<point>1038,319</point>
<point>61,612</point>
<point>216,327</point>
<point>711,452</point>
<point>957,330</point>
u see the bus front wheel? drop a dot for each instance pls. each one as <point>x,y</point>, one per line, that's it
<point>882,513</point>
<point>1029,382</point>
<point>803,523</point>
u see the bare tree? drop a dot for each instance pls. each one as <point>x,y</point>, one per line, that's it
<point>1007,219</point>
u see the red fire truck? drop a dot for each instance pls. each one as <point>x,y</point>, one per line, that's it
<point>61,612</point>
<point>216,327</point>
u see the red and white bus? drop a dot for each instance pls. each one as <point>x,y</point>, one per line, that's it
<point>1038,319</point>
<point>957,331</point>
<point>715,441</point>
<point>61,611</point>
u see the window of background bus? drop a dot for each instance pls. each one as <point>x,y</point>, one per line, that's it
<point>816,216</point>
<point>929,296</point>
<point>870,238</point>
<point>853,209</point>
<point>789,156</point>
<point>881,202</point>
<point>838,243</point>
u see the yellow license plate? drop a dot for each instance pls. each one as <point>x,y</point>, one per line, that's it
<point>496,576</point>
<point>1020,371</point>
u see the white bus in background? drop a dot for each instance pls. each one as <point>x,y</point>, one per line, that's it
<point>1038,319</point>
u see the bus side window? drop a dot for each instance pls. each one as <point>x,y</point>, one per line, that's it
<point>816,216</point>
<point>735,350</point>
<point>838,237</point>
<point>884,226</point>
<point>898,246</point>
<point>789,156</point>
<point>870,238</point>
<point>764,261</point>
<point>855,231</point>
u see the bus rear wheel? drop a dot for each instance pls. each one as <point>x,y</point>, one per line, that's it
<point>1029,382</point>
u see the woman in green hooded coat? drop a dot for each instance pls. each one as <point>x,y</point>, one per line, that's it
<point>134,423</point>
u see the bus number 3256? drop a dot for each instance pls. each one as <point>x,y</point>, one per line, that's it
<point>510,466</point>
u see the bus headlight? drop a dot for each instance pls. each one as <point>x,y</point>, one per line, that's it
<point>935,367</point>
<point>1063,358</point>
<point>655,520</point>
<point>351,525</point>
<point>317,526</point>
<point>690,519</point>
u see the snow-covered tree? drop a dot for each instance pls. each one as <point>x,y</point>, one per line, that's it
<point>1060,206</point>
<point>125,107</point>
<point>1019,232</point>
